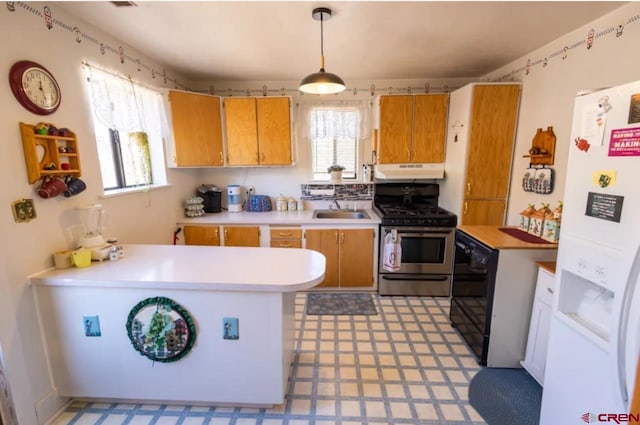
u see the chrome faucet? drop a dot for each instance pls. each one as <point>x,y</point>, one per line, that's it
<point>335,202</point>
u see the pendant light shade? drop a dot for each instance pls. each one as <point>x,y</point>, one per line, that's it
<point>321,82</point>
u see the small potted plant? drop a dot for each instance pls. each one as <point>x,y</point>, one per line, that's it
<point>335,171</point>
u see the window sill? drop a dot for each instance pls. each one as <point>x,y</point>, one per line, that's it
<point>129,191</point>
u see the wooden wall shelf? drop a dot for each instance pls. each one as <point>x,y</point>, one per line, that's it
<point>545,143</point>
<point>45,154</point>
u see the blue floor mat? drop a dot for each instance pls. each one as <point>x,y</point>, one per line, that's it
<point>506,396</point>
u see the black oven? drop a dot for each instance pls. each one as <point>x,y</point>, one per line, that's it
<point>472,289</point>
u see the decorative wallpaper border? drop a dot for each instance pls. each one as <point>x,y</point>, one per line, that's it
<point>46,13</point>
<point>561,54</point>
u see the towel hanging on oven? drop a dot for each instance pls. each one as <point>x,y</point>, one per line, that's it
<point>392,254</point>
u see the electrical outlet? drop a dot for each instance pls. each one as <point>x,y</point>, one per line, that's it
<point>24,210</point>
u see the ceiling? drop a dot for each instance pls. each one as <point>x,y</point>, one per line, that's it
<point>273,41</point>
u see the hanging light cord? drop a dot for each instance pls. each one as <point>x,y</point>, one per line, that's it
<point>321,42</point>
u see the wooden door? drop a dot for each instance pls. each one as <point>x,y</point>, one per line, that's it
<point>241,236</point>
<point>356,257</point>
<point>484,211</point>
<point>242,131</point>
<point>202,235</point>
<point>396,114</point>
<point>429,128</point>
<point>197,129</point>
<point>491,138</point>
<point>325,241</point>
<point>274,130</point>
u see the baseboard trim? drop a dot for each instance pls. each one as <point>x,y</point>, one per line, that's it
<point>50,406</point>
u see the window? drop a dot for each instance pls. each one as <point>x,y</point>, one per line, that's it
<point>129,124</point>
<point>334,140</point>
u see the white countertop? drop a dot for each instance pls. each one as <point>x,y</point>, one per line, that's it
<point>197,268</point>
<point>277,218</point>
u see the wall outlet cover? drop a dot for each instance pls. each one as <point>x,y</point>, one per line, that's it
<point>91,325</point>
<point>230,328</point>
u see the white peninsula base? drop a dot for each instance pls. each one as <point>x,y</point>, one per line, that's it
<point>252,370</point>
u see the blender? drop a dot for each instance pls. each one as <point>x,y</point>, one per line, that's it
<point>92,217</point>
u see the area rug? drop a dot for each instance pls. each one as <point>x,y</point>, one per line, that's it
<point>340,304</point>
<point>506,396</point>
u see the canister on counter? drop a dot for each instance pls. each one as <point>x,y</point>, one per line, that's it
<point>292,205</point>
<point>281,203</point>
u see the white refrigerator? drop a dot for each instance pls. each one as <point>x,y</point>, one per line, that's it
<point>594,338</point>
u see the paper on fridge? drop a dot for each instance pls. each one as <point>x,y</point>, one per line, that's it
<point>392,253</point>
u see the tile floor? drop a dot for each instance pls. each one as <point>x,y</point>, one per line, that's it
<point>405,365</point>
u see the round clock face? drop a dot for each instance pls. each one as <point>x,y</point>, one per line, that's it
<point>34,87</point>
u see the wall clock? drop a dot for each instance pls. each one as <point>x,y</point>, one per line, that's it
<point>34,87</point>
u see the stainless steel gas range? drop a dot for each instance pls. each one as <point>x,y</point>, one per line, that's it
<point>426,234</point>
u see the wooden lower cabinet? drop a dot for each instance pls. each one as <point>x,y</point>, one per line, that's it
<point>241,236</point>
<point>233,235</point>
<point>202,235</point>
<point>285,237</point>
<point>483,211</point>
<point>348,253</point>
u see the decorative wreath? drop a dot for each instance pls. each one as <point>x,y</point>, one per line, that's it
<point>161,329</point>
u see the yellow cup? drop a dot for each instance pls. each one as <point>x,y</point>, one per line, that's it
<point>81,257</point>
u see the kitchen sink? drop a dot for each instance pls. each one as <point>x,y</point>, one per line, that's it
<point>338,214</point>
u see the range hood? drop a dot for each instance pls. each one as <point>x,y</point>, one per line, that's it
<point>408,171</point>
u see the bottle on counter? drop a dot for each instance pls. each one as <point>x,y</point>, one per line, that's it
<point>300,205</point>
<point>292,205</point>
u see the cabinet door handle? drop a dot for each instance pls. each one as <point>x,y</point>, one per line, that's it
<point>550,290</point>
<point>341,237</point>
<point>225,236</point>
<point>217,232</point>
<point>285,245</point>
<point>285,234</point>
<point>221,158</point>
<point>336,236</point>
<point>466,207</point>
<point>468,188</point>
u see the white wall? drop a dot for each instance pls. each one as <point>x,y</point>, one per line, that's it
<point>150,217</point>
<point>142,218</point>
<point>549,91</point>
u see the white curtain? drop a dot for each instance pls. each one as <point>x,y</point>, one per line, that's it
<point>137,113</point>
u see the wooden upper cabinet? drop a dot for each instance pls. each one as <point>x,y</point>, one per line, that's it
<point>274,130</point>
<point>429,128</point>
<point>396,113</point>
<point>491,138</point>
<point>258,131</point>
<point>412,128</point>
<point>197,129</point>
<point>242,131</point>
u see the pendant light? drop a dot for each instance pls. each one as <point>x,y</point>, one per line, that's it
<point>321,82</point>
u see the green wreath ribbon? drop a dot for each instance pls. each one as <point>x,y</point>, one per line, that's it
<point>163,338</point>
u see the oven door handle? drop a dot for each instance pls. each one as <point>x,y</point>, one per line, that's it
<point>424,233</point>
<point>405,277</point>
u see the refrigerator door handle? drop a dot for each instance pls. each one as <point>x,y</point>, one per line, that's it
<point>624,362</point>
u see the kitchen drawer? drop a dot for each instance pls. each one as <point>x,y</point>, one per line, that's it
<point>285,233</point>
<point>286,243</point>
<point>545,286</point>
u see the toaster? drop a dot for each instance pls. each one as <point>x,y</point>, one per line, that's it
<point>212,198</point>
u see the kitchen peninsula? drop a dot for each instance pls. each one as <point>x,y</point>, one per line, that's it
<point>236,305</point>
